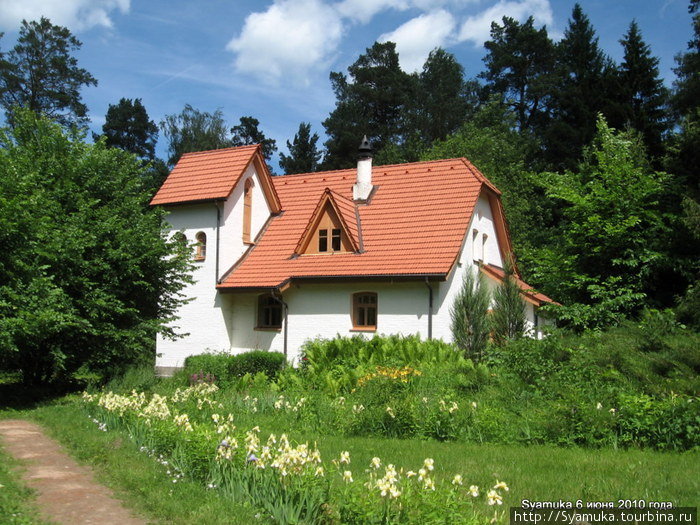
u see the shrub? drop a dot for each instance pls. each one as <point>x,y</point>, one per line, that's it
<point>508,314</point>
<point>470,323</point>
<point>269,363</point>
<point>215,364</point>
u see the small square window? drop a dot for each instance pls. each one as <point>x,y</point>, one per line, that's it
<point>335,241</point>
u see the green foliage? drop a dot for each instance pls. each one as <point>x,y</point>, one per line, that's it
<point>247,133</point>
<point>256,361</point>
<point>519,63</point>
<point>371,104</point>
<point>507,317</point>
<point>41,74</point>
<point>235,370</point>
<point>128,127</point>
<point>608,242</point>
<point>194,130</point>
<point>87,278</point>
<point>469,314</point>
<point>303,155</point>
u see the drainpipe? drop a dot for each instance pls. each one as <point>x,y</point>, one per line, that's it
<point>286,311</point>
<point>218,224</point>
<point>430,308</point>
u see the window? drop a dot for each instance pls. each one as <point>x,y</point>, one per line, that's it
<point>323,240</point>
<point>201,249</point>
<point>475,245</point>
<point>364,311</point>
<point>247,204</point>
<point>269,312</point>
<point>483,246</point>
<point>335,241</point>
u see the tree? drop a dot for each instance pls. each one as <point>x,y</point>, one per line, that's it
<point>641,97</point>
<point>128,127</point>
<point>86,279</point>
<point>444,99</point>
<point>372,103</point>
<point>247,133</point>
<point>612,227</point>
<point>469,313</point>
<point>687,86</point>
<point>580,94</point>
<point>194,130</point>
<point>41,74</point>
<point>519,63</point>
<point>508,312</point>
<point>303,154</point>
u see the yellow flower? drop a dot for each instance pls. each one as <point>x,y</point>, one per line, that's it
<point>494,498</point>
<point>457,479</point>
<point>347,476</point>
<point>410,474</point>
<point>501,485</point>
<point>428,463</point>
<point>319,472</point>
<point>345,457</point>
<point>474,491</point>
<point>376,462</point>
<point>428,484</point>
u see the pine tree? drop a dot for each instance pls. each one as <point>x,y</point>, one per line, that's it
<point>371,104</point>
<point>580,92</point>
<point>642,95</point>
<point>303,155</point>
<point>41,74</point>
<point>519,64</point>
<point>248,132</point>
<point>128,127</point>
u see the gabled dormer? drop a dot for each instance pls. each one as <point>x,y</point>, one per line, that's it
<point>332,228</point>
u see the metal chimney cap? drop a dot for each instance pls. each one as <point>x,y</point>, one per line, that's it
<point>365,150</point>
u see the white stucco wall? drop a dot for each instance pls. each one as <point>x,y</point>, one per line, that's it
<point>232,245</point>
<point>203,318</point>
<point>324,310</point>
<point>226,321</point>
<point>207,317</point>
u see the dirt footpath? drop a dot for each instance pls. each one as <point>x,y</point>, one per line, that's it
<point>67,493</point>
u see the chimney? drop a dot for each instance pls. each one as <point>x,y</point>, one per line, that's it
<point>363,185</point>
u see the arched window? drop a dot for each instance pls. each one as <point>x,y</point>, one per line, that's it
<point>475,244</point>
<point>201,247</point>
<point>364,311</point>
<point>180,238</point>
<point>269,312</point>
<point>484,237</point>
<point>247,204</point>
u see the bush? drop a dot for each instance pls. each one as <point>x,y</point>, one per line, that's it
<point>269,363</point>
<point>215,364</point>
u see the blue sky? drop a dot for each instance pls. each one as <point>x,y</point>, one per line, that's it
<point>271,59</point>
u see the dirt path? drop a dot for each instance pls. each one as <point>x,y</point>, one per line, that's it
<point>67,493</point>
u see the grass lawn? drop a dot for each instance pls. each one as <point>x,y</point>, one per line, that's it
<point>537,473</point>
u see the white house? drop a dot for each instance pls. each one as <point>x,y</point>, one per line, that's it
<point>376,249</point>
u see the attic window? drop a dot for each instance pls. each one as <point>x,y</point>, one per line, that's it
<point>247,204</point>
<point>330,236</point>
<point>323,240</point>
<point>335,240</point>
<point>201,247</point>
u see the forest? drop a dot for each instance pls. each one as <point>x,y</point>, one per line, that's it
<point>597,162</point>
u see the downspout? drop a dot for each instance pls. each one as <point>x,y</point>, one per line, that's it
<point>286,311</point>
<point>218,224</point>
<point>430,308</point>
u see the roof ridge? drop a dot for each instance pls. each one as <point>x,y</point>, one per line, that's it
<point>314,173</point>
<point>205,151</point>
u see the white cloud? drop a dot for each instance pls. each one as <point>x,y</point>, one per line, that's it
<point>417,37</point>
<point>77,15</point>
<point>477,28</point>
<point>288,40</point>
<point>364,10</point>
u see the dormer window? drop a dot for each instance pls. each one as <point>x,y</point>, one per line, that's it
<point>332,228</point>
<point>201,247</point>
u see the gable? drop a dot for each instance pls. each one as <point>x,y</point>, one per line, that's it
<point>332,227</point>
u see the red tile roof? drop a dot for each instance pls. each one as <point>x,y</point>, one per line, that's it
<point>498,274</point>
<point>205,175</point>
<point>414,224</point>
<point>347,213</point>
